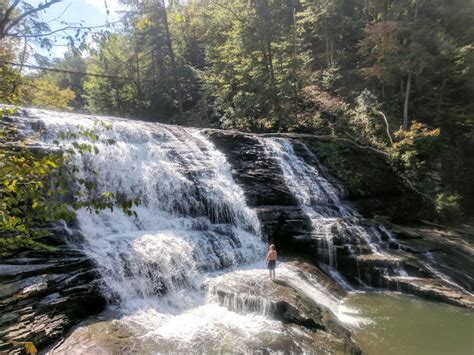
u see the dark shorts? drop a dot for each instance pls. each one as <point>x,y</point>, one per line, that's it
<point>271,264</point>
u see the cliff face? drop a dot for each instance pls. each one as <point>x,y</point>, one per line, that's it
<point>375,190</point>
<point>371,184</point>
<point>264,186</point>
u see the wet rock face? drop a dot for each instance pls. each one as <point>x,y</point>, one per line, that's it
<point>262,180</point>
<point>42,294</point>
<point>450,250</point>
<point>370,182</point>
<point>260,175</point>
<point>282,300</point>
<point>374,188</point>
<point>265,190</point>
<point>289,316</point>
<point>446,254</point>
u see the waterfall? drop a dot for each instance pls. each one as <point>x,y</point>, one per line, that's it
<point>193,232</point>
<point>192,219</point>
<point>335,225</point>
<point>186,273</point>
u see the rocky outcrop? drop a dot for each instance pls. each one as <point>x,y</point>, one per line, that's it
<point>430,288</point>
<point>450,250</point>
<point>263,182</point>
<point>352,166</point>
<point>444,259</point>
<point>265,190</point>
<point>298,321</point>
<point>366,174</point>
<point>285,299</point>
<point>426,259</point>
<point>370,182</point>
<point>44,293</point>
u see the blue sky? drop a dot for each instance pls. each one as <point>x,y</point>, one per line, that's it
<point>87,12</point>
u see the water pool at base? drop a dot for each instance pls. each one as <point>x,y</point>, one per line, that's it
<point>396,324</point>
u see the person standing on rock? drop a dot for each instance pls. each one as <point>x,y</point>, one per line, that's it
<point>271,260</point>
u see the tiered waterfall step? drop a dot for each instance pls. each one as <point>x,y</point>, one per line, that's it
<point>431,288</point>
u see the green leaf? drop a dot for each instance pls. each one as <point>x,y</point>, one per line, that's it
<point>51,163</point>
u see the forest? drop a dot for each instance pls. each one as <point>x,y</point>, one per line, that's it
<point>397,76</point>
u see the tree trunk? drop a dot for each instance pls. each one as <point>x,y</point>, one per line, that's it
<point>406,123</point>
<point>332,52</point>
<point>139,84</point>
<point>270,64</point>
<point>119,100</point>
<point>295,69</point>
<point>439,103</point>
<point>6,19</point>
<point>326,35</point>
<point>173,60</point>
<point>387,126</point>
<point>153,69</point>
<point>385,10</point>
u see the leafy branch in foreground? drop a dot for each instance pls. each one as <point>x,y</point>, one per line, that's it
<point>39,188</point>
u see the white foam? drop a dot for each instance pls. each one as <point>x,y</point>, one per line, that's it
<point>193,227</point>
<point>321,200</point>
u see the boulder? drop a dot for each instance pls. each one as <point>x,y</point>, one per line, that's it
<point>288,300</point>
<point>430,288</point>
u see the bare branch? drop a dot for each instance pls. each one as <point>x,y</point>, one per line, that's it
<point>7,17</point>
<point>31,66</point>
<point>387,126</point>
<point>62,29</point>
<point>23,54</point>
<point>20,18</point>
<point>230,10</point>
<point>60,15</point>
<point>10,10</point>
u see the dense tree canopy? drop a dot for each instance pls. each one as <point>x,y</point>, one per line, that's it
<point>396,75</point>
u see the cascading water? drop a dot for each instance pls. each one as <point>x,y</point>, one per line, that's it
<point>192,218</point>
<point>183,274</point>
<point>193,231</point>
<point>335,225</point>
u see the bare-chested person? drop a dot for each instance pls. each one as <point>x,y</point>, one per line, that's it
<point>271,260</point>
